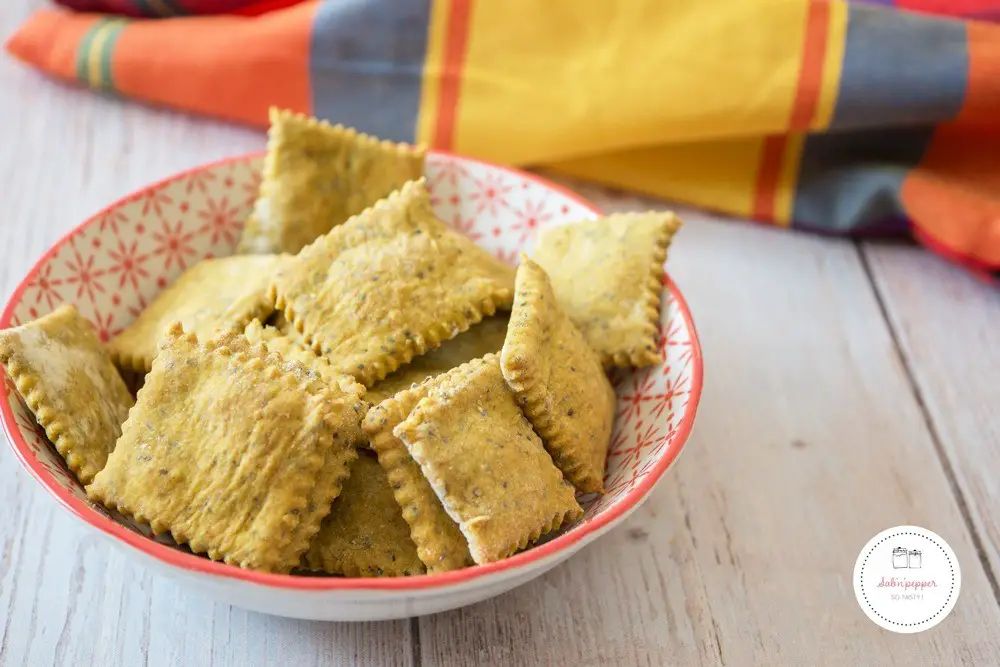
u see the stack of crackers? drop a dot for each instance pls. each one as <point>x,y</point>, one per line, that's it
<point>362,391</point>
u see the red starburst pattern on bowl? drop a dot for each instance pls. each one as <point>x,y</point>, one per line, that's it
<point>45,286</point>
<point>84,275</point>
<point>173,244</point>
<point>113,266</point>
<point>490,194</point>
<point>530,218</point>
<point>127,264</point>
<point>153,201</point>
<point>200,181</point>
<point>222,221</point>
<point>110,220</point>
<point>632,395</point>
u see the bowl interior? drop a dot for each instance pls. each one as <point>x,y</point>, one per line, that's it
<point>114,264</point>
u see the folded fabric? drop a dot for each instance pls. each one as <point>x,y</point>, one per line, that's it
<point>164,8</point>
<point>828,116</point>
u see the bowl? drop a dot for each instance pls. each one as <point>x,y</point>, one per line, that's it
<point>115,263</point>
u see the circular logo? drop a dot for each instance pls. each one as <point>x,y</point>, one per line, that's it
<point>907,579</point>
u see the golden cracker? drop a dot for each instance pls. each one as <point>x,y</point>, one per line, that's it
<point>485,463</point>
<point>606,276</point>
<point>559,381</point>
<point>290,346</point>
<point>230,452</point>
<point>388,285</point>
<point>440,543</point>
<point>213,294</point>
<point>316,176</point>
<point>481,339</point>
<point>364,535</point>
<point>71,385</point>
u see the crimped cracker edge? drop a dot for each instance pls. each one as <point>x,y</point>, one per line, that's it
<point>407,430</point>
<point>530,394</point>
<point>326,490</point>
<point>420,343</point>
<point>141,363</point>
<point>652,298</point>
<point>296,534</point>
<point>127,360</point>
<point>347,383</point>
<point>531,397</point>
<point>390,458</point>
<point>29,386</point>
<point>350,568</point>
<point>269,173</point>
<point>276,114</point>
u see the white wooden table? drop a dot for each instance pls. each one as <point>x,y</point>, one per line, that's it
<point>849,387</point>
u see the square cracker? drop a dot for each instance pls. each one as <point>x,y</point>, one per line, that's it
<point>485,463</point>
<point>388,285</point>
<point>213,294</point>
<point>364,535</point>
<point>233,450</point>
<point>317,176</point>
<point>440,543</point>
<point>68,380</point>
<point>290,346</point>
<point>606,275</point>
<point>559,381</point>
<point>480,340</point>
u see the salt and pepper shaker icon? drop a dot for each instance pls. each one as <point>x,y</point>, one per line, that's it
<point>907,558</point>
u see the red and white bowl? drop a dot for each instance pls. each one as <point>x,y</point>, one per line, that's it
<point>116,262</point>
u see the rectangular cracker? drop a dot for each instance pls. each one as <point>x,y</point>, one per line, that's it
<point>440,543</point>
<point>607,276</point>
<point>234,451</point>
<point>364,535</point>
<point>485,463</point>
<point>213,294</point>
<point>290,346</point>
<point>388,285</point>
<point>71,385</point>
<point>316,176</point>
<point>559,381</point>
<point>481,339</point>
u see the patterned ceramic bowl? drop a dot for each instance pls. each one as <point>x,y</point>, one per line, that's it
<point>113,264</point>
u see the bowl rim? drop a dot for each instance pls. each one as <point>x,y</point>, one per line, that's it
<point>200,565</point>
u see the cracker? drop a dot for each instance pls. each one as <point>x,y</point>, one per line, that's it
<point>316,176</point>
<point>231,452</point>
<point>71,385</point>
<point>559,381</point>
<point>440,543</point>
<point>364,535</point>
<point>485,463</point>
<point>290,346</point>
<point>480,340</point>
<point>388,285</point>
<point>606,275</point>
<point>213,294</point>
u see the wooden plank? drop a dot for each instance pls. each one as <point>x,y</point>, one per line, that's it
<point>946,321</point>
<point>67,596</point>
<point>809,442</point>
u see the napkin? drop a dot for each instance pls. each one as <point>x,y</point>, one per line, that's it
<point>837,117</point>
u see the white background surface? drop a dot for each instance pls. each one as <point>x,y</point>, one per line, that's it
<point>848,388</point>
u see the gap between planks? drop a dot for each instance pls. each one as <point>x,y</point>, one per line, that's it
<point>932,428</point>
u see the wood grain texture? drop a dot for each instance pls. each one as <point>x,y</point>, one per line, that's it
<point>946,322</point>
<point>810,440</point>
<point>66,596</point>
